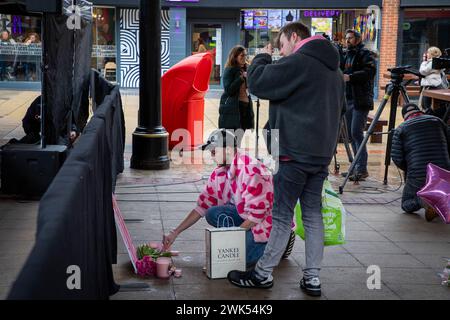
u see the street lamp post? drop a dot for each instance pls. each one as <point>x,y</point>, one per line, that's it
<point>150,139</point>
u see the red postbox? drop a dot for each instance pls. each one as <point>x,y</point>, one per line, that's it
<point>183,98</point>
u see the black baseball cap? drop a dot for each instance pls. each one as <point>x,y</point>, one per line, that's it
<point>221,138</point>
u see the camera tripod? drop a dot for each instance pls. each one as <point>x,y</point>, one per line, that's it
<point>343,135</point>
<point>395,87</point>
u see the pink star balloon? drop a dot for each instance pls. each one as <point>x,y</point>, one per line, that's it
<point>436,191</point>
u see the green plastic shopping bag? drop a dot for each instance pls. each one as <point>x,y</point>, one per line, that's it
<point>333,214</point>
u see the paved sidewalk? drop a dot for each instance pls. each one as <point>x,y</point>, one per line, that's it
<point>408,250</point>
<point>13,106</point>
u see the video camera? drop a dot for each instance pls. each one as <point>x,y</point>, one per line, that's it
<point>404,70</point>
<point>443,62</point>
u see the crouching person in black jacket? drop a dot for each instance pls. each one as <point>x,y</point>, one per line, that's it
<point>419,140</point>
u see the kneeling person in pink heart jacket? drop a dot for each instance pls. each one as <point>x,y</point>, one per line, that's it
<point>240,188</point>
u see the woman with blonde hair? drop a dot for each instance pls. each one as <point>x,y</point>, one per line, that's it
<point>433,78</point>
<point>236,109</point>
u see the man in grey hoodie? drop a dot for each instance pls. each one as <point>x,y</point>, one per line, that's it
<point>306,93</point>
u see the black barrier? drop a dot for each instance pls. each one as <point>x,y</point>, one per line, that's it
<point>76,241</point>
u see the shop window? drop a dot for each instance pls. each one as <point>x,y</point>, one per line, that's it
<point>104,42</point>
<point>20,48</point>
<point>423,29</point>
<point>261,26</point>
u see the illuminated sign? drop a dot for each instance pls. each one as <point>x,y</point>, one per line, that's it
<point>321,13</point>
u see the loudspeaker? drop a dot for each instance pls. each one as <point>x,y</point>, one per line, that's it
<point>28,170</point>
<point>44,6</point>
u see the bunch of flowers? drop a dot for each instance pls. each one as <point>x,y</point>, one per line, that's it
<point>147,255</point>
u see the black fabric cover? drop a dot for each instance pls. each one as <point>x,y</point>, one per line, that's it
<point>112,113</point>
<point>66,83</point>
<point>81,74</point>
<point>100,87</point>
<point>76,220</point>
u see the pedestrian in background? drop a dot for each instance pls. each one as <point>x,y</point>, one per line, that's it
<point>236,108</point>
<point>359,67</point>
<point>7,61</point>
<point>306,93</point>
<point>432,80</point>
<point>201,46</point>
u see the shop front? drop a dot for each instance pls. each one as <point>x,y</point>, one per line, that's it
<point>261,26</point>
<point>217,30</point>
<point>187,27</point>
<point>21,48</point>
<point>423,24</point>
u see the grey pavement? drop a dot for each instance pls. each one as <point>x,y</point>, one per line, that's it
<point>408,250</point>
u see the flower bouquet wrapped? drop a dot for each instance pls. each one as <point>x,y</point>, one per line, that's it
<point>147,255</point>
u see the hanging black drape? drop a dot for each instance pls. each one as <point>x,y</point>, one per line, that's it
<point>67,54</point>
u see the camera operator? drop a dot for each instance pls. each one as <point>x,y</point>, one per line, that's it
<point>419,140</point>
<point>433,79</point>
<point>359,67</point>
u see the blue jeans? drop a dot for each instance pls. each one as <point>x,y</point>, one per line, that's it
<point>410,201</point>
<point>254,250</point>
<point>356,123</point>
<point>292,182</point>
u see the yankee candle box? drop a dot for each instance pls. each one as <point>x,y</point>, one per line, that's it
<point>225,251</point>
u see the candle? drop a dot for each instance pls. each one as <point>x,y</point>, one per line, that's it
<point>177,273</point>
<point>162,267</point>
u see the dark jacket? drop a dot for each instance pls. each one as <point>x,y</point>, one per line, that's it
<point>419,141</point>
<point>31,122</point>
<point>230,117</point>
<point>360,64</point>
<point>306,93</point>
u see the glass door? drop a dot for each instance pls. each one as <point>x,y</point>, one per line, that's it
<point>208,37</point>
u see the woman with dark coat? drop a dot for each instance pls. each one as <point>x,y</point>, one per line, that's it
<point>236,109</point>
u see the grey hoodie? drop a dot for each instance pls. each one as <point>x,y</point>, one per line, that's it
<point>307,95</point>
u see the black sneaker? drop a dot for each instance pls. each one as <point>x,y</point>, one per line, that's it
<point>248,279</point>
<point>289,246</point>
<point>311,286</point>
<point>359,176</point>
<point>344,174</point>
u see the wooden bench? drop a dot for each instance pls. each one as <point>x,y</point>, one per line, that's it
<point>376,138</point>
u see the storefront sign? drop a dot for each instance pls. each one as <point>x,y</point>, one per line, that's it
<point>20,49</point>
<point>101,51</point>
<point>321,13</point>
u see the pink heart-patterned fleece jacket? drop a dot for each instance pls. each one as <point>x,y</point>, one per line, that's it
<point>247,184</point>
